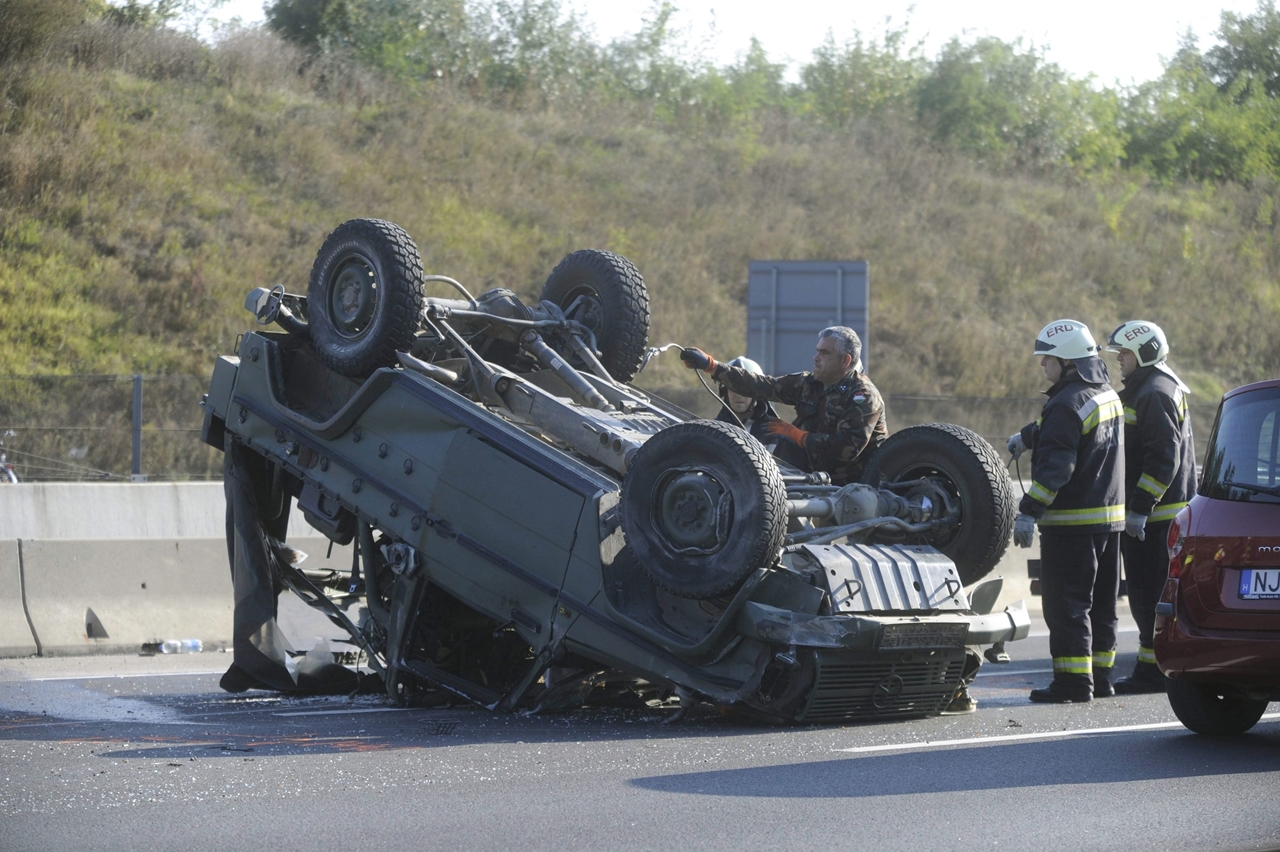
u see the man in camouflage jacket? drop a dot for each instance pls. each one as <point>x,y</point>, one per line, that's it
<point>840,415</point>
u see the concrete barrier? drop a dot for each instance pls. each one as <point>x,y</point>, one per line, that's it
<point>115,595</point>
<point>1017,584</point>
<point>104,596</point>
<point>16,639</point>
<point>107,567</point>
<point>108,510</point>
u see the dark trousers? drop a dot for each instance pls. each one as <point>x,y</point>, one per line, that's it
<point>1146,567</point>
<point>1079,582</point>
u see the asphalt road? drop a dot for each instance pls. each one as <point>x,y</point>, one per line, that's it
<point>148,753</point>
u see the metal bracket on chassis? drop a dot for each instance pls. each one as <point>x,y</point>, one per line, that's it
<point>305,589</point>
<point>486,698</point>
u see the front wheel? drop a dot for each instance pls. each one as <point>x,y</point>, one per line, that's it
<point>1211,709</point>
<point>364,301</point>
<point>703,507</point>
<point>969,470</point>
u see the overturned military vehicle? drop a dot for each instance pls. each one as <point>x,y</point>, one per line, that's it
<point>534,532</point>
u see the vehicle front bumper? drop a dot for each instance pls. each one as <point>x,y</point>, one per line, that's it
<point>876,632</point>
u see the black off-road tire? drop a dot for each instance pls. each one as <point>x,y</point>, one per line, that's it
<point>1215,710</point>
<point>978,480</point>
<point>364,301</point>
<point>611,300</point>
<point>703,507</point>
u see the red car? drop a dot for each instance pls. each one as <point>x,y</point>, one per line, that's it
<point>1217,631</point>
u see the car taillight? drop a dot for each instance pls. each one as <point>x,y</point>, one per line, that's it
<point>1179,552</point>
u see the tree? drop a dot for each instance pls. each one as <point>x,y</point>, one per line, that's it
<point>1003,103</point>
<point>424,38</point>
<point>1185,126</point>
<point>861,77</point>
<point>307,22</point>
<point>148,15</point>
<point>1249,51</point>
<point>528,47</point>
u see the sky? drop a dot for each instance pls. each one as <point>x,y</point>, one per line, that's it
<point>1116,41</point>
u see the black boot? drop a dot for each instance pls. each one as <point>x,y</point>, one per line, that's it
<point>1146,679</point>
<point>1062,691</point>
<point>1102,686</point>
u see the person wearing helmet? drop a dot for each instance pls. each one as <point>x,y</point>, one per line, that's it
<point>839,413</point>
<point>754,415</point>
<point>1160,466</point>
<point>1077,498</point>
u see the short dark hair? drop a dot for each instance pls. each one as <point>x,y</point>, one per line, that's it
<point>847,342</point>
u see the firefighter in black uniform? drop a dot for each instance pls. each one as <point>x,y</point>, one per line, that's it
<point>1076,496</point>
<point>1160,467</point>
<point>839,413</point>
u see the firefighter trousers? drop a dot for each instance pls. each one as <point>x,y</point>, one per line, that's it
<point>1146,567</point>
<point>1079,582</point>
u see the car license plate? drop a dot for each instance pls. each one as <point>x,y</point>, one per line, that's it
<point>1258,584</point>
<point>908,636</point>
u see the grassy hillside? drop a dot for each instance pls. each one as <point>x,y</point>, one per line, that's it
<point>148,182</point>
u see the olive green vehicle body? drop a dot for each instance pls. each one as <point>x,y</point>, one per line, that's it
<point>528,537</point>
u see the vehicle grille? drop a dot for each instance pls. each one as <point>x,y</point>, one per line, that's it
<point>878,688</point>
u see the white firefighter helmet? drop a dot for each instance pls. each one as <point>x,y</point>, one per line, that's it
<point>1144,339</point>
<point>747,364</point>
<point>1067,339</point>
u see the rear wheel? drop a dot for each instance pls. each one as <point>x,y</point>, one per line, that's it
<point>968,469</point>
<point>364,301</point>
<point>604,292</point>
<point>703,506</point>
<point>1214,709</point>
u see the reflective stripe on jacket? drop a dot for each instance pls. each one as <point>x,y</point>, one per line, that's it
<point>1077,460</point>
<point>1159,449</point>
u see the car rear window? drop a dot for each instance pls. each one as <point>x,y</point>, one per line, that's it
<point>1243,459</point>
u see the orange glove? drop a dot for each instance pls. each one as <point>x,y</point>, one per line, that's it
<point>786,430</point>
<point>696,359</point>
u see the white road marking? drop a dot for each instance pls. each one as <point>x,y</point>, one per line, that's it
<point>999,673</point>
<point>1014,737</point>
<point>347,712</point>
<point>111,676</point>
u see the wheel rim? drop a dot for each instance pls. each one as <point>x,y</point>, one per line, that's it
<point>353,295</point>
<point>692,511</point>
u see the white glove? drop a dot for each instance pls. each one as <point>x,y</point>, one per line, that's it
<point>1016,445</point>
<point>1024,530</point>
<point>1136,525</point>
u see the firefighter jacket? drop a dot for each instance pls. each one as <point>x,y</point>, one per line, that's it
<point>845,421</point>
<point>1159,451</point>
<point>1077,461</point>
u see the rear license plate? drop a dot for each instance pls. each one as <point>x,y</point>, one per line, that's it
<point>907,636</point>
<point>1258,584</point>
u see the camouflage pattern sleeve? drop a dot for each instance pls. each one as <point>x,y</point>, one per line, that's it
<point>783,389</point>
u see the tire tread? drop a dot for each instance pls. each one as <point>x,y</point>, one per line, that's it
<point>624,351</point>
<point>403,289</point>
<point>1003,505</point>
<point>773,520</point>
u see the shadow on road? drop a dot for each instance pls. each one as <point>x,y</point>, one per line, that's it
<point>1136,756</point>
